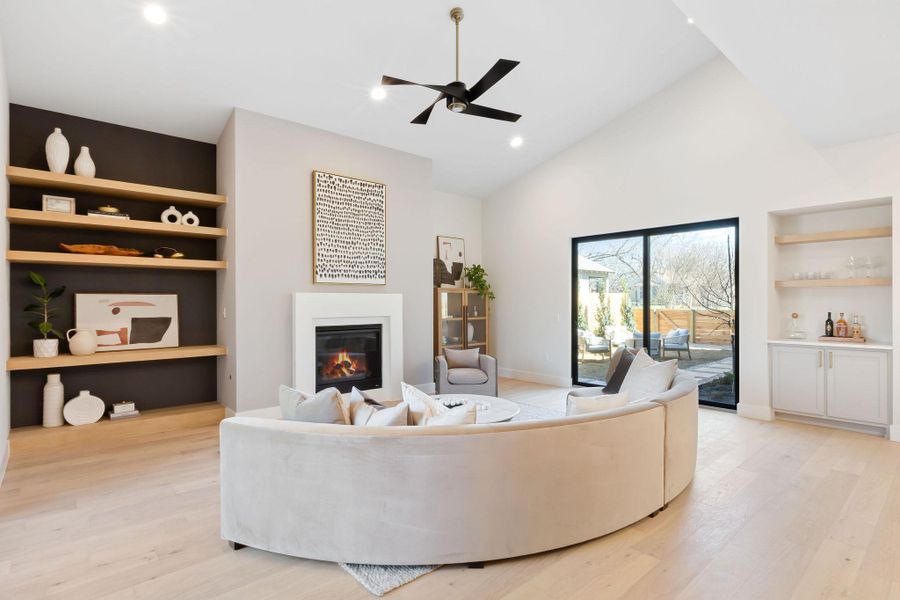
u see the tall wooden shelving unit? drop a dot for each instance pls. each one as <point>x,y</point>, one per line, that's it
<point>456,311</point>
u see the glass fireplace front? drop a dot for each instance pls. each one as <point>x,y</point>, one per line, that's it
<point>348,356</point>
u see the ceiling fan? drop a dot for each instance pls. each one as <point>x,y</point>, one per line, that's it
<point>460,99</point>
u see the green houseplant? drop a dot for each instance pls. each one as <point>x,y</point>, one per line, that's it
<point>477,278</point>
<point>44,347</point>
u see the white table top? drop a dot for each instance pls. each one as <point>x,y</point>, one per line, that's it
<point>490,409</point>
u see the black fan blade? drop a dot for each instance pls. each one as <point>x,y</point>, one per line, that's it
<point>497,72</point>
<point>455,92</point>
<point>491,113</point>
<point>422,119</point>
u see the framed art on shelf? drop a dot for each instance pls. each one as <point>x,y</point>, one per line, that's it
<point>60,204</point>
<point>349,231</point>
<point>129,321</point>
<point>450,262</point>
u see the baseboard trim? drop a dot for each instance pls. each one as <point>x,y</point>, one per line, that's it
<point>533,377</point>
<point>4,460</point>
<point>229,412</point>
<point>894,433</point>
<point>880,431</point>
<point>755,411</point>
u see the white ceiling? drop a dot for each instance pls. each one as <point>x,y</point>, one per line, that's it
<point>583,63</point>
<point>831,66</point>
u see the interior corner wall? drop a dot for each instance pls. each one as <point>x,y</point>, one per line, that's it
<point>708,147</point>
<point>272,213</point>
<point>458,216</point>
<point>4,271</point>
<point>226,373</point>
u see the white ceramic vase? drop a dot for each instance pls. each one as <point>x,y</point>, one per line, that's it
<point>45,348</point>
<point>471,332</point>
<point>190,218</point>
<point>54,396</point>
<point>171,216</point>
<point>57,149</point>
<point>83,343</point>
<point>84,164</point>
<point>83,409</point>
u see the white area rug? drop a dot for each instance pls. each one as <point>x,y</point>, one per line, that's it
<point>381,579</point>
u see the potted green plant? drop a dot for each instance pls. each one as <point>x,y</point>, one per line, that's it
<point>45,347</point>
<point>477,278</point>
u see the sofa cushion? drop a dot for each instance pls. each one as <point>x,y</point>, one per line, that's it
<point>361,406</point>
<point>582,405</point>
<point>617,376</point>
<point>326,406</point>
<point>462,376</point>
<point>644,381</point>
<point>461,359</point>
<point>458,415</point>
<point>421,405</point>
<point>392,416</point>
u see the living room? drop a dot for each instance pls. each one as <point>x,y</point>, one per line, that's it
<point>626,334</point>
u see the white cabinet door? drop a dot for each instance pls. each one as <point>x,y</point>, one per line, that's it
<point>798,379</point>
<point>857,385</point>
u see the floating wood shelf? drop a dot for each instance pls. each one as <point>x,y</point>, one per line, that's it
<point>818,283</point>
<point>99,260</point>
<point>20,216</point>
<point>25,363</point>
<point>833,236</point>
<point>109,187</point>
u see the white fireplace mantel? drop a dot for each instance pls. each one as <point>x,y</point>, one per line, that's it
<point>313,310</point>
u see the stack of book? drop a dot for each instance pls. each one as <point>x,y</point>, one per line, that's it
<point>123,410</point>
<point>100,213</point>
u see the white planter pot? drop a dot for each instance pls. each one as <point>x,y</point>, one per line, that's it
<point>45,348</point>
<point>57,149</point>
<point>84,165</point>
<point>54,398</point>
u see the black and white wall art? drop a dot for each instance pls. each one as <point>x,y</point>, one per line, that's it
<point>349,237</point>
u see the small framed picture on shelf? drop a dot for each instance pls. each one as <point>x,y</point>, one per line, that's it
<point>60,204</point>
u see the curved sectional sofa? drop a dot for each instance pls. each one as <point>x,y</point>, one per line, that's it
<point>458,494</point>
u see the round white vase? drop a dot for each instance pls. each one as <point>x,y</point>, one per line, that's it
<point>190,218</point>
<point>83,409</point>
<point>45,348</point>
<point>84,164</point>
<point>57,149</point>
<point>54,397</point>
<point>171,215</point>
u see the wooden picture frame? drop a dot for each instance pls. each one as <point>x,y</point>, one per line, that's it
<point>58,204</point>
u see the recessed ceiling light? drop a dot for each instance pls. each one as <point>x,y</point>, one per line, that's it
<point>378,94</point>
<point>690,20</point>
<point>516,142</point>
<point>155,13</point>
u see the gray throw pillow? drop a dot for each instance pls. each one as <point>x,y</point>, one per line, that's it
<point>461,359</point>
<point>614,383</point>
<point>326,406</point>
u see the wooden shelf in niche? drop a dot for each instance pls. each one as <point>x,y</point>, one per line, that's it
<point>19,216</point>
<point>109,187</point>
<point>819,283</point>
<point>26,363</point>
<point>99,260</point>
<point>833,236</point>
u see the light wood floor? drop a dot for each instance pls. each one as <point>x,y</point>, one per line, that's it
<point>777,510</point>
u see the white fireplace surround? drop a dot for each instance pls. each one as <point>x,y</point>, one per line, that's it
<point>313,310</point>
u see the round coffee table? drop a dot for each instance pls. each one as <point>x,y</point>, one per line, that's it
<point>490,409</point>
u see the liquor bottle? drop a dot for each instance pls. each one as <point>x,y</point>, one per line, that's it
<point>856,330</point>
<point>840,328</point>
<point>829,326</point>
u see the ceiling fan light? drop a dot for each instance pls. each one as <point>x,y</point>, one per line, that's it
<point>457,106</point>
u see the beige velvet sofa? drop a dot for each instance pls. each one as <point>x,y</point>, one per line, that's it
<point>457,494</point>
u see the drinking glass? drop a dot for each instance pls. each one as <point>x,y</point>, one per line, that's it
<point>851,266</point>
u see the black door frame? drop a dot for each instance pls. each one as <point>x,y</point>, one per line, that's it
<point>646,234</point>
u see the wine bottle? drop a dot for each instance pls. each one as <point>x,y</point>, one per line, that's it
<point>840,328</point>
<point>829,326</point>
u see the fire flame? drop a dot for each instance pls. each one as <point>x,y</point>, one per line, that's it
<point>342,365</point>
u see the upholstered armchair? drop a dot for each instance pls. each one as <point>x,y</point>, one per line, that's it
<point>465,372</point>
<point>677,340</point>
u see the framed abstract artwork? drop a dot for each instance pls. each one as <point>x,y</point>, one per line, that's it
<point>450,261</point>
<point>349,233</point>
<point>129,321</point>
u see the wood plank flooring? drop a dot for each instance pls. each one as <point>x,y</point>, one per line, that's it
<point>777,510</point>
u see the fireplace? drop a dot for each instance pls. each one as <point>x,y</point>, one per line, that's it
<point>348,356</point>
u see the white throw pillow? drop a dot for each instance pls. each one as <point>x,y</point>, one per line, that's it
<point>643,382</point>
<point>327,406</point>
<point>421,405</point>
<point>458,415</point>
<point>393,416</point>
<point>361,407</point>
<point>582,405</point>
<point>462,359</point>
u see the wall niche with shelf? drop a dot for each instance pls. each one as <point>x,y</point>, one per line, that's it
<point>141,173</point>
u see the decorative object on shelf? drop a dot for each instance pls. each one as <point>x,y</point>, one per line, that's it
<point>167,252</point>
<point>83,409</point>
<point>129,321</point>
<point>829,326</point>
<point>100,249</point>
<point>171,215</point>
<point>109,209</point>
<point>45,347</point>
<point>869,265</point>
<point>852,266</point>
<point>102,213</point>
<point>84,164</point>
<point>83,343</point>
<point>190,219</point>
<point>856,328</point>
<point>54,398</point>
<point>470,331</point>
<point>123,410</point>
<point>59,204</point>
<point>795,333</point>
<point>348,230</point>
<point>451,252</point>
<point>841,329</point>
<point>477,278</point>
<point>57,149</point>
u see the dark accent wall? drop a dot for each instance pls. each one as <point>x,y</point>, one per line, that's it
<point>137,156</point>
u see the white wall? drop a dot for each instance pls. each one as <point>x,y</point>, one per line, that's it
<point>225,280</point>
<point>708,147</point>
<point>4,270</point>
<point>458,216</point>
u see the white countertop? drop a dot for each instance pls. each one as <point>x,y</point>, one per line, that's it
<point>818,344</point>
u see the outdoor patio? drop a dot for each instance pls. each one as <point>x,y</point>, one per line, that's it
<point>707,362</point>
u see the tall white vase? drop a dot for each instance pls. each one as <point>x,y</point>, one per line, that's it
<point>57,149</point>
<point>84,165</point>
<point>54,398</point>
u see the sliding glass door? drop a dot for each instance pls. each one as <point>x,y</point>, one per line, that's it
<point>671,290</point>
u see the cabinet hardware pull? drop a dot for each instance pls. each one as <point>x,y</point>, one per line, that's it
<point>831,360</point>
<point>820,359</point>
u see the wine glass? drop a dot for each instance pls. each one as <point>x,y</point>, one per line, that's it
<point>851,266</point>
<point>869,264</point>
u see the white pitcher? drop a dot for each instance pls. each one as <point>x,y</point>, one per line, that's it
<point>83,343</point>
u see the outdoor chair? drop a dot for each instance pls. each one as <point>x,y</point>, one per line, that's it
<point>677,340</point>
<point>638,341</point>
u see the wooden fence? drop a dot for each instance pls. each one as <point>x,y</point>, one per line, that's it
<point>704,327</point>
